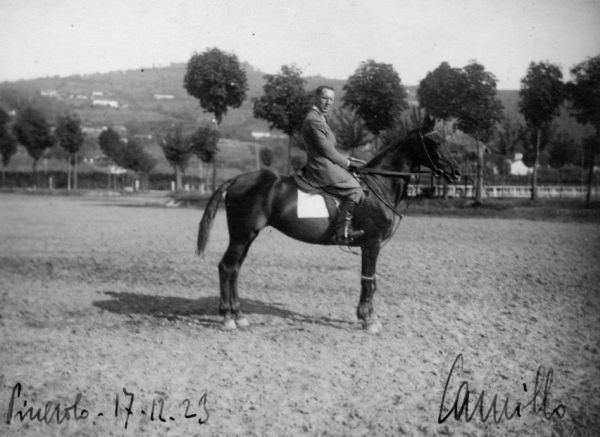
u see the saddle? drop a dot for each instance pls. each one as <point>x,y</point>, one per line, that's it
<point>313,200</point>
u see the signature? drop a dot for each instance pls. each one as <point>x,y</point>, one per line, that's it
<point>461,405</point>
<point>54,412</point>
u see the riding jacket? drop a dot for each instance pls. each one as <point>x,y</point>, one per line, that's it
<point>325,166</point>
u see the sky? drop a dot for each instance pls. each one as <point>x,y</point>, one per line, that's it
<point>40,38</point>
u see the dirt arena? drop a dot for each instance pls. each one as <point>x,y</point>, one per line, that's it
<point>105,298</point>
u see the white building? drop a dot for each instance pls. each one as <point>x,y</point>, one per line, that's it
<point>105,102</point>
<point>518,167</point>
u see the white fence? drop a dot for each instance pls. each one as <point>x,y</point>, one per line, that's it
<point>554,191</point>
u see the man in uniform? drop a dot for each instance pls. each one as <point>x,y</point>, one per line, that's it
<point>327,168</point>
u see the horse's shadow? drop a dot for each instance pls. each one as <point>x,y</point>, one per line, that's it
<point>204,310</point>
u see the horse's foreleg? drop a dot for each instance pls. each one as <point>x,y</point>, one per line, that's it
<point>368,284</point>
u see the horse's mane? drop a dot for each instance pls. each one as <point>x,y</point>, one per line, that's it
<point>376,160</point>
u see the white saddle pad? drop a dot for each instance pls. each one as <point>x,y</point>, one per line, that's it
<point>311,205</point>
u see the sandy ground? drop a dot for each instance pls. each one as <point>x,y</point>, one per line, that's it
<point>106,298</point>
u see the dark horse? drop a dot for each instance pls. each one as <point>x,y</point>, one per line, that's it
<point>262,198</point>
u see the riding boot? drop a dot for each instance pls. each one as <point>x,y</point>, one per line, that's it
<point>344,234</point>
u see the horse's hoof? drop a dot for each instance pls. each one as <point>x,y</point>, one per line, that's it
<point>229,324</point>
<point>242,322</point>
<point>372,327</point>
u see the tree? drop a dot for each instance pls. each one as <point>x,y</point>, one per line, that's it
<point>133,157</point>
<point>541,95</point>
<point>350,130</point>
<point>217,80</point>
<point>8,144</point>
<point>70,137</point>
<point>584,93</point>
<point>439,92</point>
<point>284,103</point>
<point>376,93</point>
<point>32,131</point>
<point>204,144</point>
<point>477,110</point>
<point>177,150</point>
<point>110,144</point>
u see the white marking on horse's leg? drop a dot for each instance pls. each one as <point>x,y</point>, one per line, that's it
<point>242,322</point>
<point>229,324</point>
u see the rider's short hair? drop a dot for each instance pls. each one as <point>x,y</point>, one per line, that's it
<point>320,89</point>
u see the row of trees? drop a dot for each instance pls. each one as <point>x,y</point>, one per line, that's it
<point>373,108</point>
<point>374,102</point>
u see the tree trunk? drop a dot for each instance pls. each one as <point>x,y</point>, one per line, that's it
<point>36,175</point>
<point>75,176</point>
<point>588,196</point>
<point>289,168</point>
<point>178,183</point>
<point>479,177</point>
<point>69,173</point>
<point>3,176</point>
<point>536,159</point>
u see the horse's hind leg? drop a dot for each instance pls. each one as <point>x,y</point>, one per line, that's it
<point>229,268</point>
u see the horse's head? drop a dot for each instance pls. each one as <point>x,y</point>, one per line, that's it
<point>422,147</point>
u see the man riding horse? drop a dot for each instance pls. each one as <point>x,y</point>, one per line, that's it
<point>327,168</point>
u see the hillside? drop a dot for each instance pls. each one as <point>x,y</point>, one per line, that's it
<point>147,100</point>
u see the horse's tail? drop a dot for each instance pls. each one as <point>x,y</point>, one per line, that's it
<point>209,215</point>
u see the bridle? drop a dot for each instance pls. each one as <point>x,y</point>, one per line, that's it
<point>399,174</point>
<point>434,168</point>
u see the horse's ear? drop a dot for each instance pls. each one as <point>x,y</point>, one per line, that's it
<point>428,123</point>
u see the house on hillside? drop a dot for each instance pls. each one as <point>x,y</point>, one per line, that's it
<point>164,96</point>
<point>105,103</point>
<point>50,93</point>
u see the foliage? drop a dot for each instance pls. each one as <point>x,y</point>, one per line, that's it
<point>110,144</point>
<point>584,92</point>
<point>402,126</point>
<point>506,141</point>
<point>217,80</point>
<point>68,133</point>
<point>284,102</point>
<point>439,92</point>
<point>32,131</point>
<point>377,95</point>
<point>204,143</point>
<point>135,158</point>
<point>176,148</point>
<point>350,129</point>
<point>541,94</point>
<point>477,109</point>
<point>561,150</point>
